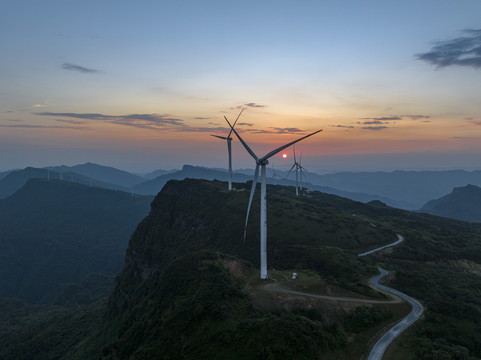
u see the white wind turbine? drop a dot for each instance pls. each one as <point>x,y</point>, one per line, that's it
<point>262,162</point>
<point>299,171</point>
<point>229,148</point>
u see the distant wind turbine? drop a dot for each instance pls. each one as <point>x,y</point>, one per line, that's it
<point>275,175</point>
<point>299,171</point>
<point>229,148</point>
<point>262,162</point>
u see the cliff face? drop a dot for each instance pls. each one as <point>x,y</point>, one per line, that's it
<point>176,263</point>
<point>193,215</point>
<point>186,216</point>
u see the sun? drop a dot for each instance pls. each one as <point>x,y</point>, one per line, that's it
<point>284,156</point>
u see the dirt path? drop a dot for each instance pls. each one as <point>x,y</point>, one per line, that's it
<point>275,287</point>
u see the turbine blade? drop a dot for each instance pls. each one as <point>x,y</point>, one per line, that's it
<point>254,183</point>
<point>290,170</point>
<point>302,172</point>
<point>294,150</point>
<point>220,137</point>
<point>242,141</point>
<point>235,122</point>
<point>273,152</point>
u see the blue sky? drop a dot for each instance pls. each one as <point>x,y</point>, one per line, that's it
<point>141,85</point>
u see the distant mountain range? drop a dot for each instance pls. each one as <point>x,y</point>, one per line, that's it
<point>408,190</point>
<point>103,173</point>
<point>56,232</point>
<point>463,203</point>
<point>411,188</point>
<point>15,180</point>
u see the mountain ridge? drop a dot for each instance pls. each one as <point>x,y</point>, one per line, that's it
<point>463,203</point>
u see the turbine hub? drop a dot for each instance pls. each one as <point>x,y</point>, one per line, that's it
<point>263,162</point>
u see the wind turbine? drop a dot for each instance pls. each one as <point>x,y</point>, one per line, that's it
<point>229,148</point>
<point>262,162</point>
<point>275,175</point>
<point>299,171</point>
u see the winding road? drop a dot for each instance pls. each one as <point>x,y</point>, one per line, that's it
<point>400,239</point>
<point>377,351</point>
<point>381,345</point>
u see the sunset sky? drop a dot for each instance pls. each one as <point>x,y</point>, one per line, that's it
<point>141,85</point>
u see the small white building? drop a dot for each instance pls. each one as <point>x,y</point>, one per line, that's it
<point>294,276</point>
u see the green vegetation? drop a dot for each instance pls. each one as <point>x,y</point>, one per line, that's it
<point>199,311</point>
<point>46,332</point>
<point>452,298</point>
<point>363,318</point>
<point>190,289</point>
<point>53,233</point>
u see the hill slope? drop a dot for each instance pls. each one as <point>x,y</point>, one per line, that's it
<point>319,232</point>
<point>463,203</point>
<point>55,232</point>
<point>188,289</point>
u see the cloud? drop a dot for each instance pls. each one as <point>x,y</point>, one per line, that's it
<point>245,124</point>
<point>254,105</point>
<point>475,122</point>
<point>415,117</point>
<point>73,67</point>
<point>343,126</point>
<point>375,122</point>
<point>386,118</point>
<point>461,51</point>
<point>74,122</point>
<point>157,122</point>
<point>251,104</point>
<point>374,128</point>
<point>277,130</point>
<point>201,118</point>
<point>145,121</point>
<point>32,126</point>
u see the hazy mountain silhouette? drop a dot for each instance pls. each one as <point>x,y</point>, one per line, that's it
<point>152,187</point>
<point>157,173</point>
<point>413,188</point>
<point>5,173</point>
<point>17,179</point>
<point>55,232</point>
<point>463,203</point>
<point>102,173</point>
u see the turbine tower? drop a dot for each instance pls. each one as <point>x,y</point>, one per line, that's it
<point>229,148</point>
<point>262,162</point>
<point>299,172</point>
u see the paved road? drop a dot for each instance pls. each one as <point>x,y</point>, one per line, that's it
<point>380,347</point>
<point>417,309</point>
<point>400,240</point>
